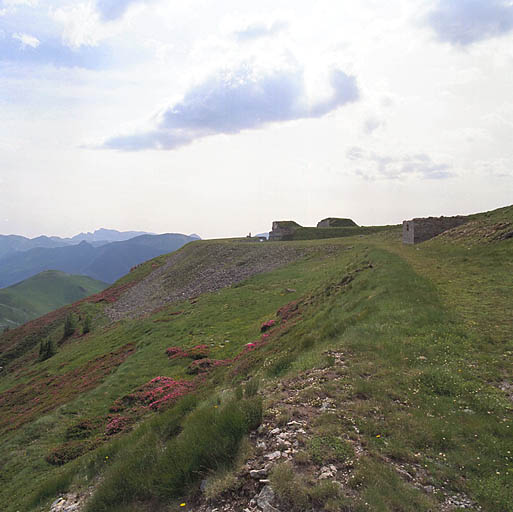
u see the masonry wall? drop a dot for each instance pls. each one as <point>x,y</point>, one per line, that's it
<point>420,230</point>
<point>282,230</point>
<point>408,232</point>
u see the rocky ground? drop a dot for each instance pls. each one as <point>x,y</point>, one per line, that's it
<point>184,277</point>
<point>276,442</point>
<point>290,423</point>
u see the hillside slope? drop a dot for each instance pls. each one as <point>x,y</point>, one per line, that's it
<point>43,293</point>
<point>15,243</point>
<point>106,263</point>
<point>380,375</point>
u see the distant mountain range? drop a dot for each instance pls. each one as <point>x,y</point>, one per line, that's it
<point>107,261</point>
<point>106,235</point>
<point>102,236</point>
<point>43,293</point>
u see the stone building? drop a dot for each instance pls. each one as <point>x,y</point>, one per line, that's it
<point>333,222</point>
<point>282,229</point>
<point>422,229</point>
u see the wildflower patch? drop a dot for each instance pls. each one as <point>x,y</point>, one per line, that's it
<point>24,402</point>
<point>204,365</point>
<point>68,451</point>
<point>155,394</point>
<point>197,352</point>
<point>267,325</point>
<point>117,424</point>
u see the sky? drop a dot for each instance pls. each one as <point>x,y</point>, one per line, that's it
<point>219,117</point>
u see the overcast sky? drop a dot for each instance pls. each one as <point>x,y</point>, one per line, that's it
<point>220,117</point>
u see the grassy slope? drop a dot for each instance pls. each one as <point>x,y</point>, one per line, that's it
<point>42,293</point>
<point>425,334</point>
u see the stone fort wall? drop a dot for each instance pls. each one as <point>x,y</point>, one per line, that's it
<point>422,229</point>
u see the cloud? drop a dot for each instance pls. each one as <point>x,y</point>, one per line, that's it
<point>88,23</point>
<point>113,9</point>
<point>374,166</point>
<point>26,40</point>
<point>227,103</point>
<point>16,3</point>
<point>463,22</point>
<point>372,124</point>
<point>259,30</point>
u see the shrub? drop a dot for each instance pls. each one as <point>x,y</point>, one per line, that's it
<point>83,429</point>
<point>69,325</point>
<point>267,325</point>
<point>87,325</point>
<point>117,424</point>
<point>47,349</point>
<point>68,451</point>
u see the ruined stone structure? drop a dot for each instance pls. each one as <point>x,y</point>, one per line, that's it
<point>282,228</point>
<point>333,222</point>
<point>422,229</point>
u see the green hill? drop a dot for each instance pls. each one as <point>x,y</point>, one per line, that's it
<point>41,294</point>
<point>348,374</point>
<point>107,262</point>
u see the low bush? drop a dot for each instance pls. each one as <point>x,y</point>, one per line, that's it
<point>68,451</point>
<point>83,429</point>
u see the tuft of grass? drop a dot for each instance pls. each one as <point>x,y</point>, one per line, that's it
<point>51,487</point>
<point>280,366</point>
<point>209,440</point>
<point>219,484</point>
<point>326,449</point>
<point>291,490</point>
<point>381,489</point>
<point>251,388</point>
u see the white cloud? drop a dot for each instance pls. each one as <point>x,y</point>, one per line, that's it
<point>81,24</point>
<point>371,124</point>
<point>259,29</point>
<point>372,166</point>
<point>26,40</point>
<point>239,99</point>
<point>84,23</point>
<point>16,3</point>
<point>464,22</point>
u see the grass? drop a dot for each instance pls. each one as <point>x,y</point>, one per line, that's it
<point>425,334</point>
<point>43,293</point>
<point>162,468</point>
<point>326,449</point>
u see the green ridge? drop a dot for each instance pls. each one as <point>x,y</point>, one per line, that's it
<point>424,334</point>
<point>41,294</point>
